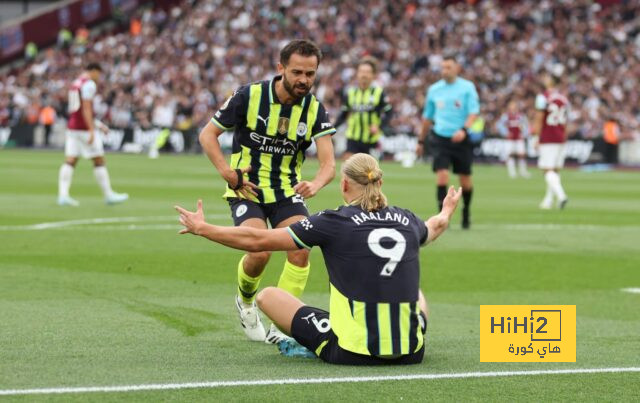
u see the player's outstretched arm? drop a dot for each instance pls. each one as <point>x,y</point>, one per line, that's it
<point>243,238</point>
<point>437,224</point>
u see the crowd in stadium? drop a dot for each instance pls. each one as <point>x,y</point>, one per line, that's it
<point>176,67</point>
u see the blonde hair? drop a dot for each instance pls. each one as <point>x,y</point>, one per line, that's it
<point>363,169</point>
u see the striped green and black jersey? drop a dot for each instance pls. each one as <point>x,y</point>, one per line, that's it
<point>271,137</point>
<point>373,263</point>
<point>362,109</point>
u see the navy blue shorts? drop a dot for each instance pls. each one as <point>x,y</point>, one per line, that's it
<point>243,209</point>
<point>311,328</point>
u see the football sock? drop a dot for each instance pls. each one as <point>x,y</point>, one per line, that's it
<point>548,196</point>
<point>247,285</point>
<point>553,180</point>
<point>522,164</point>
<point>64,180</point>
<point>466,198</point>
<point>293,278</point>
<point>102,177</point>
<point>441,194</point>
<point>511,167</point>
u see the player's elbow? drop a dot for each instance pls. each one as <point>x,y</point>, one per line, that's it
<point>202,137</point>
<point>258,244</point>
<point>328,165</point>
<point>253,247</point>
<point>331,169</point>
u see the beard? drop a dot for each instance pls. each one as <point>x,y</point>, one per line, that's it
<point>298,91</point>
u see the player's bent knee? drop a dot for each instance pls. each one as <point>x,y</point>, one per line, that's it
<point>71,161</point>
<point>260,258</point>
<point>264,296</point>
<point>299,257</point>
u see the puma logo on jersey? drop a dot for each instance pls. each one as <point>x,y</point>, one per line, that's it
<point>264,120</point>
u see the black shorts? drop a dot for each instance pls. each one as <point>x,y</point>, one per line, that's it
<point>310,327</point>
<point>355,147</point>
<point>446,153</point>
<point>243,209</point>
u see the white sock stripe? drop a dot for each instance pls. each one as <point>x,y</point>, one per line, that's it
<point>298,381</point>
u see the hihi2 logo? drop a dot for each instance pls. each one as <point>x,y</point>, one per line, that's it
<point>527,333</point>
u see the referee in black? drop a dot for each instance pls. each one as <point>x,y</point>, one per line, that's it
<point>365,109</point>
<point>450,108</point>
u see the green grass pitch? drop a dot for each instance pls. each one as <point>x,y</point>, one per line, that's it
<point>126,301</point>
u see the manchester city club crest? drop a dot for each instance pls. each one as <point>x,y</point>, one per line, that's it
<point>283,125</point>
<point>302,129</point>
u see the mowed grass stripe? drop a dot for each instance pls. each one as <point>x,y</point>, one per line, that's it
<point>103,304</point>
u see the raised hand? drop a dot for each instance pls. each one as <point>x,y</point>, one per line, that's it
<point>192,221</point>
<point>306,189</point>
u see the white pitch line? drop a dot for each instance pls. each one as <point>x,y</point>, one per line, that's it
<point>300,381</point>
<point>631,290</point>
<point>95,221</point>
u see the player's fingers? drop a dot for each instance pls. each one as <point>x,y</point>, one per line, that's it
<point>246,170</point>
<point>183,231</point>
<point>252,185</point>
<point>245,193</point>
<point>250,190</point>
<point>200,205</point>
<point>180,209</point>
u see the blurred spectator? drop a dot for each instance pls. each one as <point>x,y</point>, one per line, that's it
<point>611,137</point>
<point>47,118</point>
<point>81,40</point>
<point>198,52</point>
<point>135,27</point>
<point>65,37</point>
<point>30,51</point>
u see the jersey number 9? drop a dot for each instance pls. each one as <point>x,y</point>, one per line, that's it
<point>394,254</point>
